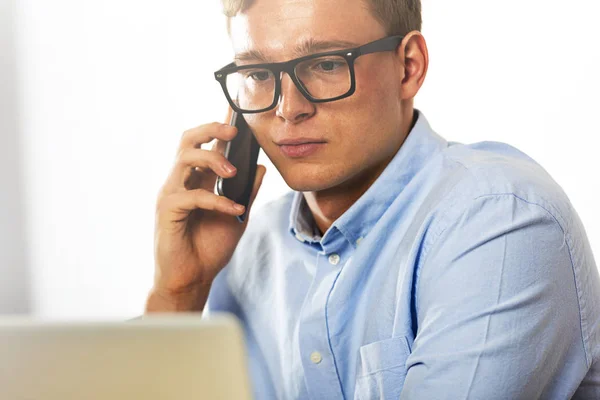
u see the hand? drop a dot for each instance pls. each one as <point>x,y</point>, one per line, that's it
<point>196,230</point>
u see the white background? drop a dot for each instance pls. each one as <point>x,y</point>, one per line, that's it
<point>95,96</point>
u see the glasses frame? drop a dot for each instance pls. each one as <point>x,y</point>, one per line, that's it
<point>388,43</point>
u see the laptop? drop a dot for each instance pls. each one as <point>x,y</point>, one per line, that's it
<point>171,356</point>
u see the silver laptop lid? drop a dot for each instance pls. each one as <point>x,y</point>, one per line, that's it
<point>178,356</point>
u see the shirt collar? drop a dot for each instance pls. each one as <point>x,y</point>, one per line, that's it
<point>418,147</point>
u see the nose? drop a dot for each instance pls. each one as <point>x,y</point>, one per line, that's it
<point>293,106</point>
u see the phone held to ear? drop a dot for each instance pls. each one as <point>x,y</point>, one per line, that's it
<point>242,152</point>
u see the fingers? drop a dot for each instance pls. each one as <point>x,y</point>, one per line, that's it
<point>177,206</point>
<point>202,164</point>
<point>203,161</point>
<point>219,145</point>
<point>196,167</point>
<point>195,137</point>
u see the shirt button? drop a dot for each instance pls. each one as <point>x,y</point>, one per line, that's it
<point>334,259</point>
<point>315,357</point>
<point>358,241</point>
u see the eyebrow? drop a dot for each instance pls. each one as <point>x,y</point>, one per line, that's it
<point>304,48</point>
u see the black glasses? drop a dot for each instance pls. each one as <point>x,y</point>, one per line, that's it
<point>319,77</point>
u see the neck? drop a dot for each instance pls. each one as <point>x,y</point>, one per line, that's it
<point>329,204</point>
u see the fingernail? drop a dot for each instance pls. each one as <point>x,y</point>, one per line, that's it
<point>228,127</point>
<point>229,168</point>
<point>239,207</point>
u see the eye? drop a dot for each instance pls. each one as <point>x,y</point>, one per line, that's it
<point>328,66</point>
<point>259,75</point>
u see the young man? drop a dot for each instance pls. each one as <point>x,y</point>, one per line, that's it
<point>402,265</point>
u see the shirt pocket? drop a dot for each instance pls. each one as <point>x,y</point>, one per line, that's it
<point>382,369</point>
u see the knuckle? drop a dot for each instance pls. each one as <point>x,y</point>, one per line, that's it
<point>208,157</point>
<point>203,199</point>
<point>200,193</point>
<point>213,128</point>
<point>215,156</point>
<point>181,155</point>
<point>162,204</point>
<point>186,134</point>
<point>191,157</point>
<point>225,203</point>
<point>190,133</point>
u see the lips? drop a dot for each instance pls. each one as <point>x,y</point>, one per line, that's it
<point>298,141</point>
<point>299,147</point>
<point>301,150</point>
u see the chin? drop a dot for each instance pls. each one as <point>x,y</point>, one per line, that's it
<point>306,179</point>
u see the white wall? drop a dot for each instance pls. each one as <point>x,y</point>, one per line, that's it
<point>14,273</point>
<point>109,86</point>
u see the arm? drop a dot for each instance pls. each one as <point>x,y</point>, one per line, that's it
<point>497,306</point>
<point>191,300</point>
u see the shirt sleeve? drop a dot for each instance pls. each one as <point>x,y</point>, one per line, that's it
<point>220,299</point>
<point>497,306</point>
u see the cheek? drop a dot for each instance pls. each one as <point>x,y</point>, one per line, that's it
<point>379,101</point>
<point>371,110</point>
<point>260,126</point>
<point>376,89</point>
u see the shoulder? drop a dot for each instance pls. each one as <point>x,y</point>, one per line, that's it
<point>267,216</point>
<point>501,203</point>
<point>259,245</point>
<point>505,214</point>
<point>498,190</point>
<point>498,170</point>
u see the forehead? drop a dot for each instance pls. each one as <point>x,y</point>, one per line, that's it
<point>277,27</point>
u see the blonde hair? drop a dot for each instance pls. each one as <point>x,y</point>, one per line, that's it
<point>398,17</point>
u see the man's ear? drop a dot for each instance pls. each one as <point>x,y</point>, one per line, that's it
<point>414,57</point>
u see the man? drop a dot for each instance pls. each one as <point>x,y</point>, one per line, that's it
<point>402,265</point>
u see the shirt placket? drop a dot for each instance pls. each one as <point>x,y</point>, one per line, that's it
<point>318,358</point>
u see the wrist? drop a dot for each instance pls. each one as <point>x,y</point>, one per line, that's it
<point>191,299</point>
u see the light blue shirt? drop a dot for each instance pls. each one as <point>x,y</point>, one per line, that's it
<point>463,272</point>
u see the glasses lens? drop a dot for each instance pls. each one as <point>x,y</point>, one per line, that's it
<point>251,89</point>
<point>325,77</point>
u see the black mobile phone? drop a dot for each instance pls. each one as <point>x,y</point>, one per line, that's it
<point>242,152</point>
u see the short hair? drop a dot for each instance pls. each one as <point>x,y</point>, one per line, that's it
<point>398,17</point>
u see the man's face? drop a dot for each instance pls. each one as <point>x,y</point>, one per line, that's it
<point>360,133</point>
